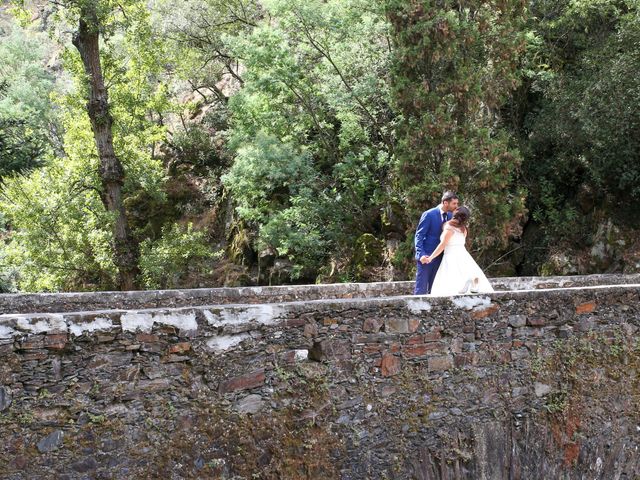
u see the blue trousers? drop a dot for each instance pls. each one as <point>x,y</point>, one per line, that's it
<point>425,274</point>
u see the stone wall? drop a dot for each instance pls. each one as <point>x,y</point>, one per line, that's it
<point>514,385</point>
<point>92,301</point>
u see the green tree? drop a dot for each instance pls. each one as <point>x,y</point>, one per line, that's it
<point>59,237</point>
<point>311,129</point>
<point>28,126</point>
<point>205,73</point>
<point>60,227</point>
<point>454,65</point>
<point>179,253</point>
<point>580,119</point>
<point>92,18</point>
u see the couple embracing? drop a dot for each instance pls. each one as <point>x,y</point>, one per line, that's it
<point>444,266</point>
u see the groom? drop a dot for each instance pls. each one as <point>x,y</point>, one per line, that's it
<point>428,238</point>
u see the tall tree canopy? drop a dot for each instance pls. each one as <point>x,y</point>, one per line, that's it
<point>455,64</point>
<point>67,216</point>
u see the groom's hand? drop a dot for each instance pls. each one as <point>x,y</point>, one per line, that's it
<point>424,259</point>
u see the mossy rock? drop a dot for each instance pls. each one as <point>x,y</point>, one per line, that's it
<point>368,252</point>
<point>394,220</point>
<point>368,258</point>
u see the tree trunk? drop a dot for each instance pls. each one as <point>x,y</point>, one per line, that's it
<point>86,40</point>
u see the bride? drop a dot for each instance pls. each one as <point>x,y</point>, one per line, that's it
<point>458,272</point>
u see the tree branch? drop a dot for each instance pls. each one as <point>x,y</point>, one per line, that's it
<point>325,53</point>
<point>311,111</point>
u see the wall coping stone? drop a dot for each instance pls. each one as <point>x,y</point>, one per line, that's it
<point>238,318</point>
<point>94,301</point>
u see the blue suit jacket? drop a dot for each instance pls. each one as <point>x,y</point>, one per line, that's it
<point>428,231</point>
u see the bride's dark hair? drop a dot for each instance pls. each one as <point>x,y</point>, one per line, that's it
<point>460,217</point>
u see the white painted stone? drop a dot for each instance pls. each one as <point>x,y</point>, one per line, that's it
<point>6,332</point>
<point>132,322</point>
<point>184,321</point>
<point>301,355</point>
<point>41,323</point>
<point>225,342</point>
<point>417,306</point>
<point>469,302</point>
<point>262,314</point>
<point>212,318</point>
<point>99,323</point>
<point>143,321</point>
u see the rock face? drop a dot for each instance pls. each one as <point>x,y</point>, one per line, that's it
<point>604,247</point>
<point>512,385</point>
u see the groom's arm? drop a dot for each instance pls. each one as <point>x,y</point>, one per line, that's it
<point>421,232</point>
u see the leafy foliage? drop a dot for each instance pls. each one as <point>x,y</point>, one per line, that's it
<point>179,252</point>
<point>582,119</point>
<point>61,234</point>
<point>454,65</point>
<point>307,126</point>
<point>26,117</point>
<point>309,135</point>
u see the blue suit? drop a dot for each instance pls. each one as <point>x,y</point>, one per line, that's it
<point>426,241</point>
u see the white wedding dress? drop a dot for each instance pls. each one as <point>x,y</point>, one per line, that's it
<point>458,271</point>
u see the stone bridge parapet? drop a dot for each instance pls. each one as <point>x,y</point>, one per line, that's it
<point>536,383</point>
<point>91,301</point>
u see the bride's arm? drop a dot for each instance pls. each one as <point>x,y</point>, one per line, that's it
<point>443,243</point>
